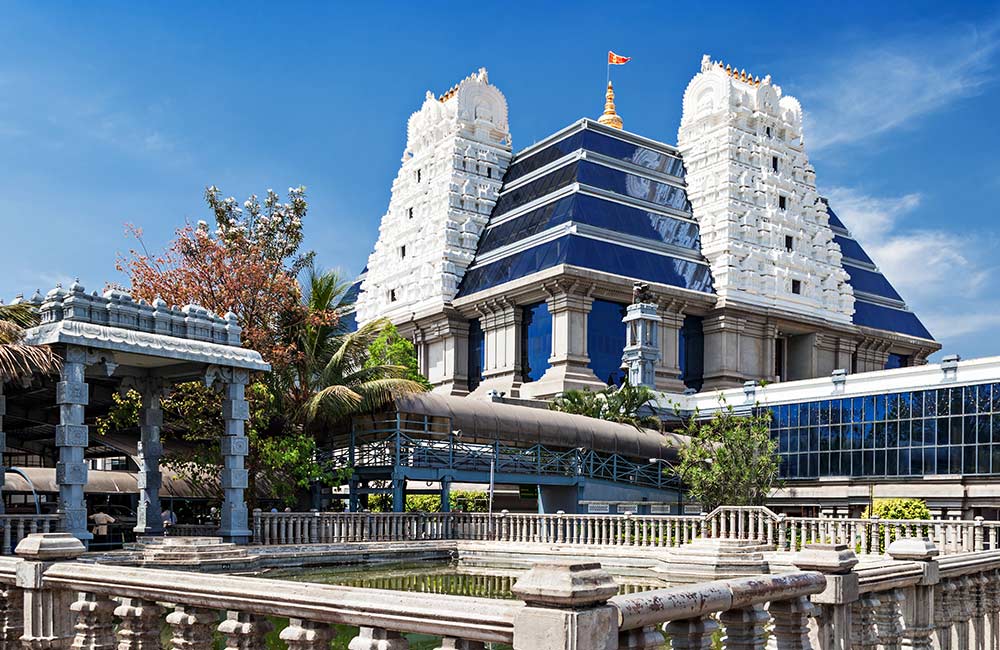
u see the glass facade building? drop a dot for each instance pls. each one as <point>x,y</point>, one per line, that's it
<point>936,431</point>
<point>605,340</point>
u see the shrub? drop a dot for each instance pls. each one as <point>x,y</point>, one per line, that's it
<point>895,509</point>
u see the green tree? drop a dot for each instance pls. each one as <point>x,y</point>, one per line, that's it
<point>625,404</point>
<point>730,460</point>
<point>18,359</point>
<point>349,383</point>
<point>391,349</point>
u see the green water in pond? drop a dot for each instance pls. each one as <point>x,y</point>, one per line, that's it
<point>424,577</point>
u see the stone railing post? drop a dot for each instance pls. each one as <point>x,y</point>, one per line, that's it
<point>377,638</point>
<point>191,628</point>
<point>258,529</point>
<point>863,618</point>
<point>11,616</point>
<point>48,620</point>
<point>991,604</point>
<point>977,535</point>
<point>140,624</point>
<point>791,624</point>
<point>566,608</point>
<point>833,620</point>
<point>745,627</point>
<point>783,532</point>
<point>245,631</point>
<point>889,619</point>
<point>306,635</point>
<point>691,633</point>
<point>918,613</point>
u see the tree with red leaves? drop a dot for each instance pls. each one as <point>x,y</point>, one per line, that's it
<point>248,265</point>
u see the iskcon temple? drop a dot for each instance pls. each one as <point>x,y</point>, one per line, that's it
<point>512,272</point>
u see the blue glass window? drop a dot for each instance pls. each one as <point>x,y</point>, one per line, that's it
<point>536,340</point>
<point>477,354</point>
<point>537,188</point>
<point>897,361</point>
<point>605,340</point>
<point>691,350</point>
<point>633,186</point>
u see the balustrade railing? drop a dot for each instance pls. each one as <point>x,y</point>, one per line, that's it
<point>750,524</point>
<point>14,528</point>
<point>911,600</point>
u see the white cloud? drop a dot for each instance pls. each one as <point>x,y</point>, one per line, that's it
<point>943,276</point>
<point>888,86</point>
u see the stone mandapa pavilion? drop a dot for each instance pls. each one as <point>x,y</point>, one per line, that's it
<point>117,343</point>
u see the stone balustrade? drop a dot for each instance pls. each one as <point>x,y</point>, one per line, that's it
<point>914,599</point>
<point>790,534</point>
<point>14,528</point>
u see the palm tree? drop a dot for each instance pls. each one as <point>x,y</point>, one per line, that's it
<point>18,359</point>
<point>348,383</point>
<point>626,404</point>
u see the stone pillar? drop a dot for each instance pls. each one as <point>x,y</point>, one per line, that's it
<point>245,631</point>
<point>72,439</point>
<point>501,324</point>
<point>235,447</point>
<point>722,351</point>
<point>377,638</point>
<point>48,621</point>
<point>192,628</point>
<point>918,607</point>
<point>569,362</point>
<point>566,607</point>
<point>302,634</point>
<point>94,622</point>
<point>642,348</point>
<point>668,366</point>
<point>445,495</point>
<point>443,352</point>
<point>833,622</point>
<point>149,521</point>
<point>140,624</point>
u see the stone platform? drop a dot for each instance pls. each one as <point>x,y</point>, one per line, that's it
<point>714,559</point>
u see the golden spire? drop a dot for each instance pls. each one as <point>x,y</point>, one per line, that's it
<point>610,117</point>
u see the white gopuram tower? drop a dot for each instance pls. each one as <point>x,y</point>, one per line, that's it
<point>457,149</point>
<point>764,229</point>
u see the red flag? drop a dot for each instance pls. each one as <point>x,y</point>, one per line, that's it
<point>615,59</point>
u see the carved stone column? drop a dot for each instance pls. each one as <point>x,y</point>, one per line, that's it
<point>501,322</point>
<point>643,638</point>
<point>889,619</point>
<point>919,606</point>
<point>791,624</point>
<point>192,628</point>
<point>863,632</point>
<point>306,635</point>
<point>94,622</point>
<point>245,631</point>
<point>836,562</point>
<point>745,628</point>
<point>448,643</point>
<point>11,616</point>
<point>48,621</point>
<point>140,624</point>
<point>691,633</point>
<point>668,368</point>
<point>72,438</point>
<point>569,362</point>
<point>149,520</point>
<point>234,446</point>
<point>377,638</point>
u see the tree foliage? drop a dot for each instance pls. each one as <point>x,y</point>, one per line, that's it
<point>626,404</point>
<point>280,460</point>
<point>391,349</point>
<point>731,459</point>
<point>17,359</point>
<point>895,509</point>
<point>458,500</point>
<point>247,265</point>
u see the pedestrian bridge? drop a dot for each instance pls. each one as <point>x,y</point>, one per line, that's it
<point>442,439</point>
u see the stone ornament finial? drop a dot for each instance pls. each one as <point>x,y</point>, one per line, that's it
<point>610,117</point>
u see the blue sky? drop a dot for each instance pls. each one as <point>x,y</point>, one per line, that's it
<point>123,112</point>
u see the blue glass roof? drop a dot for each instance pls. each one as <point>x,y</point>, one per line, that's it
<point>632,193</point>
<point>591,254</point>
<point>877,304</point>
